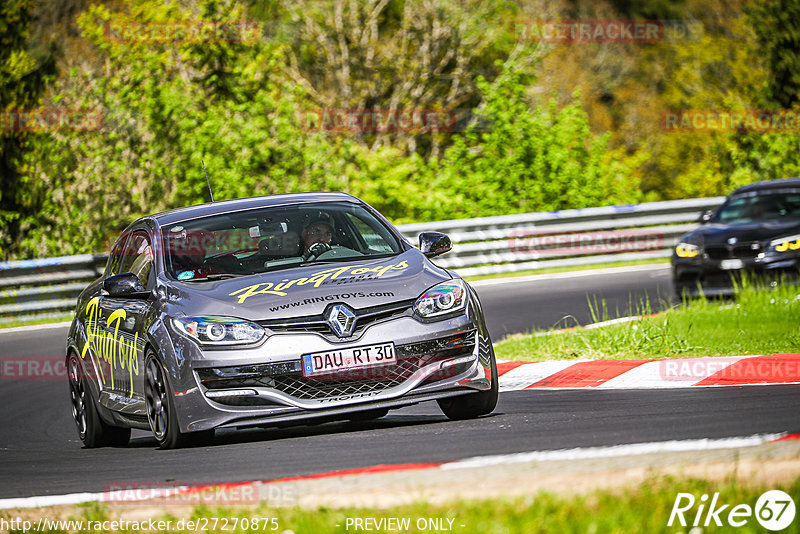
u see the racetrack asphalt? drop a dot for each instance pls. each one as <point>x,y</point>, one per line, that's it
<point>41,454</point>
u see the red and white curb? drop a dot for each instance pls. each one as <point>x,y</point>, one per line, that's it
<point>178,495</point>
<point>651,374</point>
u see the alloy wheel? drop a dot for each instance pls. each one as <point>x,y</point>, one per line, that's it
<point>155,391</point>
<point>77,396</point>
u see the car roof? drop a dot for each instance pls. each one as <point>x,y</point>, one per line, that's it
<point>786,183</point>
<point>240,204</point>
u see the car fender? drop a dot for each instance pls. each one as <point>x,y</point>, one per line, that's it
<point>173,352</point>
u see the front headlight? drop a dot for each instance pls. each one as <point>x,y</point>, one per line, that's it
<point>442,299</point>
<point>784,244</point>
<point>215,330</point>
<point>687,250</point>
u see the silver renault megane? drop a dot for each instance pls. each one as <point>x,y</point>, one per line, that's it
<point>266,311</point>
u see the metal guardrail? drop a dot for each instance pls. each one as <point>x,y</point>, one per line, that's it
<point>486,245</point>
<point>512,243</point>
<point>43,287</point>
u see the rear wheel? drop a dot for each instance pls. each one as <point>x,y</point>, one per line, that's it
<point>91,428</point>
<point>161,411</point>
<point>475,404</point>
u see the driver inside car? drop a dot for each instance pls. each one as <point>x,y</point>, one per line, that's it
<point>317,234</point>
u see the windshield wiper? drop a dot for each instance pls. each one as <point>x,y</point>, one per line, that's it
<point>216,276</point>
<point>347,259</point>
<point>318,262</point>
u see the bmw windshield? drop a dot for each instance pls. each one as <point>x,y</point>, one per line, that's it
<point>763,206</point>
<point>268,239</point>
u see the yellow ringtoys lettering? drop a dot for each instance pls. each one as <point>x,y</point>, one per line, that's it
<point>112,348</point>
<point>317,279</point>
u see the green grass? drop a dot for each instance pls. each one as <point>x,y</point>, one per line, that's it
<point>758,321</point>
<point>570,268</point>
<point>644,508</point>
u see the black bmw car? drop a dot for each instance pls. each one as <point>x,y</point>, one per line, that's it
<point>755,231</point>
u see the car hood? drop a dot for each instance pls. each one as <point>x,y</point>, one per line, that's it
<point>309,290</point>
<point>718,234</point>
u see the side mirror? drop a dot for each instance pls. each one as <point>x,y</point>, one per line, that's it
<point>125,285</point>
<point>434,243</point>
<point>705,216</point>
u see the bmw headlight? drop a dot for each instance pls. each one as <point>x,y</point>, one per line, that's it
<point>785,244</point>
<point>216,330</point>
<point>687,250</point>
<point>442,299</point>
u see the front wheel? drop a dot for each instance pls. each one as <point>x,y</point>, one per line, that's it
<point>475,404</point>
<point>161,411</point>
<point>91,428</point>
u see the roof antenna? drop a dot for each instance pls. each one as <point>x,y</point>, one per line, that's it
<point>210,192</point>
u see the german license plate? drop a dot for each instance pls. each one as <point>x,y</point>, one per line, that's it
<point>728,265</point>
<point>340,360</point>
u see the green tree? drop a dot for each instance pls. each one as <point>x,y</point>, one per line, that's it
<point>397,54</point>
<point>776,24</point>
<point>517,157</point>
<point>24,73</point>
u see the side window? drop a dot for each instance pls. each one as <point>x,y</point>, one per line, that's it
<point>138,258</point>
<point>375,241</point>
<point>115,258</point>
<point>792,206</point>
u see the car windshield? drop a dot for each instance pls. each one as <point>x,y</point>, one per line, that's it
<point>269,239</point>
<point>759,207</point>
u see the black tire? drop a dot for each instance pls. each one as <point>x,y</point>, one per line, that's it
<point>92,431</point>
<point>161,413</point>
<point>475,404</point>
<point>368,415</point>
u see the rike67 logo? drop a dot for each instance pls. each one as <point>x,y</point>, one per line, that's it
<point>774,510</point>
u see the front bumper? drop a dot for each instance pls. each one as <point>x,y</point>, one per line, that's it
<point>265,385</point>
<point>709,277</point>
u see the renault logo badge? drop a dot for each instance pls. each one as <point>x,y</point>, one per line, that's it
<point>341,319</point>
<point>732,240</point>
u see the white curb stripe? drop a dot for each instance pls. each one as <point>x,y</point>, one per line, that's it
<point>530,373</point>
<point>50,500</point>
<point>109,497</point>
<point>668,373</point>
<point>616,451</point>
